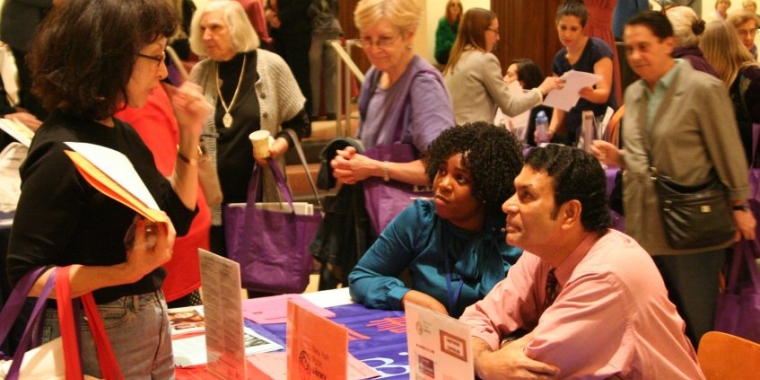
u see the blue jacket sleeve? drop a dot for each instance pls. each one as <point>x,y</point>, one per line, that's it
<point>374,281</point>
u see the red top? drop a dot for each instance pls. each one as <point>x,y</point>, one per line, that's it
<point>156,124</point>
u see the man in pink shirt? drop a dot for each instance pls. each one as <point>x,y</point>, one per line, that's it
<point>590,297</point>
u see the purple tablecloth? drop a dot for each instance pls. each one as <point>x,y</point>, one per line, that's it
<point>376,337</point>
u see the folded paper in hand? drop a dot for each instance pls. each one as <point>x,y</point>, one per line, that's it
<point>17,130</point>
<point>568,97</point>
<point>111,173</point>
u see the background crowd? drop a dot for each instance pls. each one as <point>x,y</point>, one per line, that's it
<point>514,235</point>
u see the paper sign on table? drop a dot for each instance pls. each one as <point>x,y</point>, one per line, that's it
<point>316,347</point>
<point>274,309</point>
<point>439,346</point>
<point>567,97</point>
<point>225,341</point>
<point>111,173</point>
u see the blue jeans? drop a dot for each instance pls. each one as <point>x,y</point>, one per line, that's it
<point>138,328</point>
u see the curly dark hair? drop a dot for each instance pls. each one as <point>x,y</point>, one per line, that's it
<point>576,175</point>
<point>82,56</point>
<point>491,154</point>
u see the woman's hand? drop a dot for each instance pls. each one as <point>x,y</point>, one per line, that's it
<point>277,149</point>
<point>537,138</point>
<point>551,83</point>
<point>607,153</point>
<point>745,225</point>
<point>424,300</point>
<point>29,120</point>
<point>143,258</point>
<point>272,18</point>
<point>191,109</point>
<point>350,167</point>
<point>586,93</point>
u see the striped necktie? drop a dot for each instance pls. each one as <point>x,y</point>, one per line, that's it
<point>551,289</point>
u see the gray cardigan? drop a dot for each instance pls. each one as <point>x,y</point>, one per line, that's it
<point>279,98</point>
<point>477,88</point>
<point>694,133</point>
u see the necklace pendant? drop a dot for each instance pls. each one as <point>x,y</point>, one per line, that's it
<point>227,120</point>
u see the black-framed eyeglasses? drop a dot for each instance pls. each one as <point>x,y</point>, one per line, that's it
<point>158,58</point>
<point>495,30</point>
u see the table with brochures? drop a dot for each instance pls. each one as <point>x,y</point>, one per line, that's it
<point>376,337</point>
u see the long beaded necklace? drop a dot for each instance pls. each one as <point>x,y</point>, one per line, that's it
<point>227,118</point>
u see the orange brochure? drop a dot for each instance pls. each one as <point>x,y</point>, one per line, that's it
<point>103,183</point>
<point>317,348</point>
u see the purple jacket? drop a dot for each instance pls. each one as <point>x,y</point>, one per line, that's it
<point>693,54</point>
<point>414,110</point>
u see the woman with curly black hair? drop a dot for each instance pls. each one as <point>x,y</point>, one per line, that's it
<point>453,245</point>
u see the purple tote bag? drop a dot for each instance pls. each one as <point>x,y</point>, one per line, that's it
<point>738,309</point>
<point>385,200</point>
<point>272,247</point>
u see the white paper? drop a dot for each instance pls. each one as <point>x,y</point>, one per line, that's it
<point>440,347</point>
<point>191,351</point>
<point>17,130</point>
<point>116,166</point>
<point>329,298</point>
<point>567,97</point>
<point>225,341</point>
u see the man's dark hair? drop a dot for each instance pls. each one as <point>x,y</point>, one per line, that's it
<point>657,22</point>
<point>575,175</point>
<point>84,51</point>
<point>491,154</point>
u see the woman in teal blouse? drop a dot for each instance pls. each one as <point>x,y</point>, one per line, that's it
<point>446,32</point>
<point>453,245</point>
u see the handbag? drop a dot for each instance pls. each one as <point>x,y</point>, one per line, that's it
<point>754,179</point>
<point>694,216</point>
<point>59,358</point>
<point>738,308</point>
<point>272,247</point>
<point>385,200</point>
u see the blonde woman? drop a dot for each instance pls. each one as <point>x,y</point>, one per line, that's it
<point>403,98</point>
<point>740,74</point>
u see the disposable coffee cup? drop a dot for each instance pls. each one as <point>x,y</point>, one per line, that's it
<point>260,140</point>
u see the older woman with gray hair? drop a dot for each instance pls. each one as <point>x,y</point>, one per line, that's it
<point>687,29</point>
<point>403,99</point>
<point>250,89</point>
